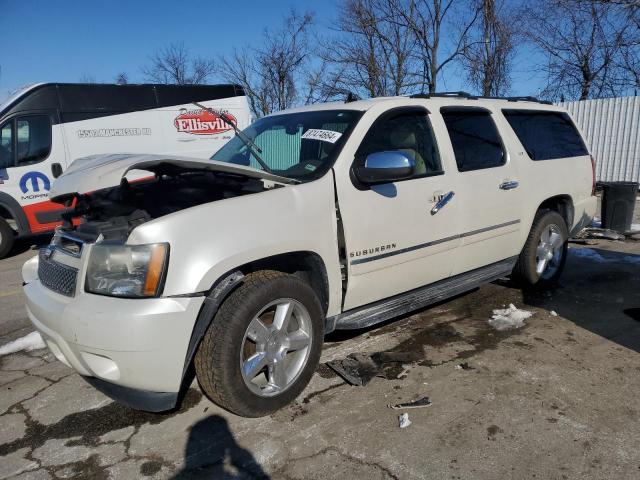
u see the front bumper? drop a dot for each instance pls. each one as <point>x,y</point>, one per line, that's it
<point>131,349</point>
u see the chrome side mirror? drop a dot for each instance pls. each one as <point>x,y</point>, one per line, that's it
<point>385,167</point>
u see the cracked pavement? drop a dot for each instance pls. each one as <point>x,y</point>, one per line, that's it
<point>555,399</point>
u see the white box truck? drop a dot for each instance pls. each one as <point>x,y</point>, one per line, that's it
<point>44,127</point>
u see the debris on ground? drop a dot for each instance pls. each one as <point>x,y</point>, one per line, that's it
<point>582,241</point>
<point>553,313</point>
<point>600,234</point>
<point>420,403</point>
<point>403,420</point>
<point>464,366</point>
<point>508,318</point>
<point>360,368</point>
<point>33,341</point>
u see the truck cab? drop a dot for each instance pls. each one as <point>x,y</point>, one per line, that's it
<point>44,127</point>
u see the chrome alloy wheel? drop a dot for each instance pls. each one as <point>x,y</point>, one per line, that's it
<point>276,347</point>
<point>549,252</point>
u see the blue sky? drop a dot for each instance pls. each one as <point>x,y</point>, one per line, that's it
<point>66,40</point>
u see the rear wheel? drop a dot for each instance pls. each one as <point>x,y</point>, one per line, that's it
<point>7,237</point>
<point>263,345</point>
<point>543,257</point>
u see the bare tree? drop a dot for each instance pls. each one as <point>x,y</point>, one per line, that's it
<point>174,65</point>
<point>488,59</point>
<point>87,78</point>
<point>371,53</point>
<point>583,41</point>
<point>630,54</point>
<point>122,78</point>
<point>441,29</point>
<point>272,74</point>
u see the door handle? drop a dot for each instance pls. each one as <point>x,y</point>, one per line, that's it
<point>442,202</point>
<point>509,185</point>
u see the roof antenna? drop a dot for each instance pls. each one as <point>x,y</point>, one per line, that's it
<point>351,97</point>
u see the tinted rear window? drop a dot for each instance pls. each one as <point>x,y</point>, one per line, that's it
<point>546,135</point>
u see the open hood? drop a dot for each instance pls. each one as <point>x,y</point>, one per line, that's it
<point>96,172</point>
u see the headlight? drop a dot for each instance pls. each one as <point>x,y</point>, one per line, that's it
<point>127,270</point>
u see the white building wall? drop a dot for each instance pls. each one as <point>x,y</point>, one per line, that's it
<point>611,127</point>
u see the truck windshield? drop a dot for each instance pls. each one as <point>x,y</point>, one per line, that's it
<point>301,145</point>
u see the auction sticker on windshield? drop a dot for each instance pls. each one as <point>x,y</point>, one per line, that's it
<point>322,135</point>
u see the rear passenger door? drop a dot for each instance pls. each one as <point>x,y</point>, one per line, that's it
<point>488,196</point>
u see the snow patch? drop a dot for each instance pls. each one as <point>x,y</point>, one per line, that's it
<point>403,420</point>
<point>33,341</point>
<point>554,313</point>
<point>511,317</point>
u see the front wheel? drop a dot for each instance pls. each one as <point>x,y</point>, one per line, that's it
<point>543,257</point>
<point>7,237</point>
<point>263,345</point>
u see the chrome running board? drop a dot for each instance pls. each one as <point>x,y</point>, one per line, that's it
<point>398,305</point>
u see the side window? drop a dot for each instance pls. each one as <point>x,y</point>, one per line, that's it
<point>34,139</point>
<point>6,145</point>
<point>546,135</point>
<point>408,132</point>
<point>475,139</point>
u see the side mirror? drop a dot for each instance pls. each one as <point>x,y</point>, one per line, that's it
<point>385,167</point>
<point>56,170</point>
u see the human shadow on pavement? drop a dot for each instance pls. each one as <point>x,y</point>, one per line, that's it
<point>213,453</point>
<point>599,291</point>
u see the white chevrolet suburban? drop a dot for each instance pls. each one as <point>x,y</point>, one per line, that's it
<point>332,216</point>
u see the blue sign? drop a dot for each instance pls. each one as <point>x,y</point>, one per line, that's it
<point>35,178</point>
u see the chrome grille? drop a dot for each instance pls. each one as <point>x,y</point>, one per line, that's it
<point>56,276</point>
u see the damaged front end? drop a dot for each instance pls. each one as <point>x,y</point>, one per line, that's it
<point>149,187</point>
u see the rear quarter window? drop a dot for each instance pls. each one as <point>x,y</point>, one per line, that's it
<point>546,135</point>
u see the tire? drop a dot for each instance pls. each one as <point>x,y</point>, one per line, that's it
<point>229,342</point>
<point>527,267</point>
<point>7,237</point>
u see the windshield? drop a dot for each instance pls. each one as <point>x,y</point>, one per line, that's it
<point>302,145</point>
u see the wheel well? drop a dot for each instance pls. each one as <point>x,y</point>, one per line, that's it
<point>563,204</point>
<point>306,265</point>
<point>10,209</point>
<point>6,215</point>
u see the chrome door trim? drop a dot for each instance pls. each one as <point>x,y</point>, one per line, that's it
<point>432,243</point>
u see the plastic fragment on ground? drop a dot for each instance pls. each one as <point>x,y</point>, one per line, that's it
<point>403,420</point>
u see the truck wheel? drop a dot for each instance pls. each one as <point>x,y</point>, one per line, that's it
<point>262,346</point>
<point>545,252</point>
<point>7,236</point>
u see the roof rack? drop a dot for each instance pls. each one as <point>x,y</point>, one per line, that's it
<point>445,94</point>
<point>351,97</point>
<point>469,96</point>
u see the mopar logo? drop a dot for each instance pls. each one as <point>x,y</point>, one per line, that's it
<point>34,179</point>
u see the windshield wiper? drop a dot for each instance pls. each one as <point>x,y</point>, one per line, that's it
<point>253,148</point>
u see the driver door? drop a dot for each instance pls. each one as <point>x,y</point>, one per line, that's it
<point>393,241</point>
